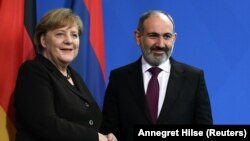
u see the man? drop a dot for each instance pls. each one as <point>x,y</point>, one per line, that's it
<point>179,90</point>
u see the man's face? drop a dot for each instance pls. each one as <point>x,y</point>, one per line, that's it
<point>157,39</point>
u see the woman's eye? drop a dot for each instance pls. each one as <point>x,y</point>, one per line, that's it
<point>59,34</point>
<point>75,35</point>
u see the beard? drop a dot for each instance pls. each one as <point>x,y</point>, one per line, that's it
<point>156,60</point>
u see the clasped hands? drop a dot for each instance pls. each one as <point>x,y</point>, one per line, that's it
<point>108,137</point>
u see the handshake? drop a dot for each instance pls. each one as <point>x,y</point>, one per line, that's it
<point>109,137</point>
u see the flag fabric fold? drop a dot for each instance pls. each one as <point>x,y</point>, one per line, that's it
<point>90,62</point>
<point>15,47</point>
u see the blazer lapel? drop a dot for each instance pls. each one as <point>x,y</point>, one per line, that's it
<point>79,89</point>
<point>135,81</point>
<point>175,84</point>
<point>83,91</point>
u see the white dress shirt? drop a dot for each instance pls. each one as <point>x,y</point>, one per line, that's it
<point>163,78</point>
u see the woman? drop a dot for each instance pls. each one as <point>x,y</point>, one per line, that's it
<point>52,102</point>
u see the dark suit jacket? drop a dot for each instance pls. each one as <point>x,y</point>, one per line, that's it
<point>186,100</point>
<point>49,108</point>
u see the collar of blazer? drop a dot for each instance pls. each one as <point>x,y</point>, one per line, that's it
<point>175,84</point>
<point>81,89</point>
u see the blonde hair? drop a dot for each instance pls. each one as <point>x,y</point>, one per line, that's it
<point>54,19</point>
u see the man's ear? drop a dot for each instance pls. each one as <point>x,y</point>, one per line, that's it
<point>137,36</point>
<point>174,38</point>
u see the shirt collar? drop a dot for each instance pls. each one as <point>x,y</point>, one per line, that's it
<point>165,66</point>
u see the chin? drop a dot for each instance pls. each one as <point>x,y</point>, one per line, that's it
<point>67,60</point>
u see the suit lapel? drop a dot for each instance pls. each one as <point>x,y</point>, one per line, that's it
<point>79,89</point>
<point>175,84</point>
<point>83,91</point>
<point>135,81</point>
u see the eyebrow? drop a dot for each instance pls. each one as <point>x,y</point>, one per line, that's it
<point>150,33</point>
<point>62,30</point>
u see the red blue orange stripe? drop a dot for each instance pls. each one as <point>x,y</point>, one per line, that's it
<point>90,62</point>
<point>96,31</point>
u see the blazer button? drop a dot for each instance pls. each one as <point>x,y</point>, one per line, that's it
<point>91,122</point>
<point>86,104</point>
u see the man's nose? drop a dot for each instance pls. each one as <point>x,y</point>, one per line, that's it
<point>160,41</point>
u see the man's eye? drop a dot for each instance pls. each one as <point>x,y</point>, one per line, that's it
<point>168,36</point>
<point>153,35</point>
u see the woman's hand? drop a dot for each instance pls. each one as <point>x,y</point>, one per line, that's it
<point>102,137</point>
<point>111,137</point>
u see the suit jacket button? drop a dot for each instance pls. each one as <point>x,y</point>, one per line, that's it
<point>91,122</point>
<point>86,104</point>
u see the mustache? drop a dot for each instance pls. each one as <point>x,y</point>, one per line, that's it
<point>158,48</point>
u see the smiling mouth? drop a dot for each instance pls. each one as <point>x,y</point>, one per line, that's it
<point>66,49</point>
<point>158,52</point>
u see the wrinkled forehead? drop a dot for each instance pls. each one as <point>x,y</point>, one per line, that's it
<point>158,23</point>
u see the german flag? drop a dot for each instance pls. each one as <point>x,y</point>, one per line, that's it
<point>17,25</point>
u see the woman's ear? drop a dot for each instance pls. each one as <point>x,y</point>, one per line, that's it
<point>43,41</point>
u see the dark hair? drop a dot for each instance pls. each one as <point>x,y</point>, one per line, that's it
<point>54,19</point>
<point>146,15</point>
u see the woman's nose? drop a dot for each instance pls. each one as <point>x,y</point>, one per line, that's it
<point>68,39</point>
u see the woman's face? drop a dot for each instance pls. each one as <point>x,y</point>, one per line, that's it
<point>61,45</point>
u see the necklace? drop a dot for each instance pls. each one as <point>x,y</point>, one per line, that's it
<point>68,74</point>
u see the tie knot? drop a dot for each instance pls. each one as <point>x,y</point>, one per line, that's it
<point>155,70</point>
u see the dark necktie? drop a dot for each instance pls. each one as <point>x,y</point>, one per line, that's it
<point>153,93</point>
